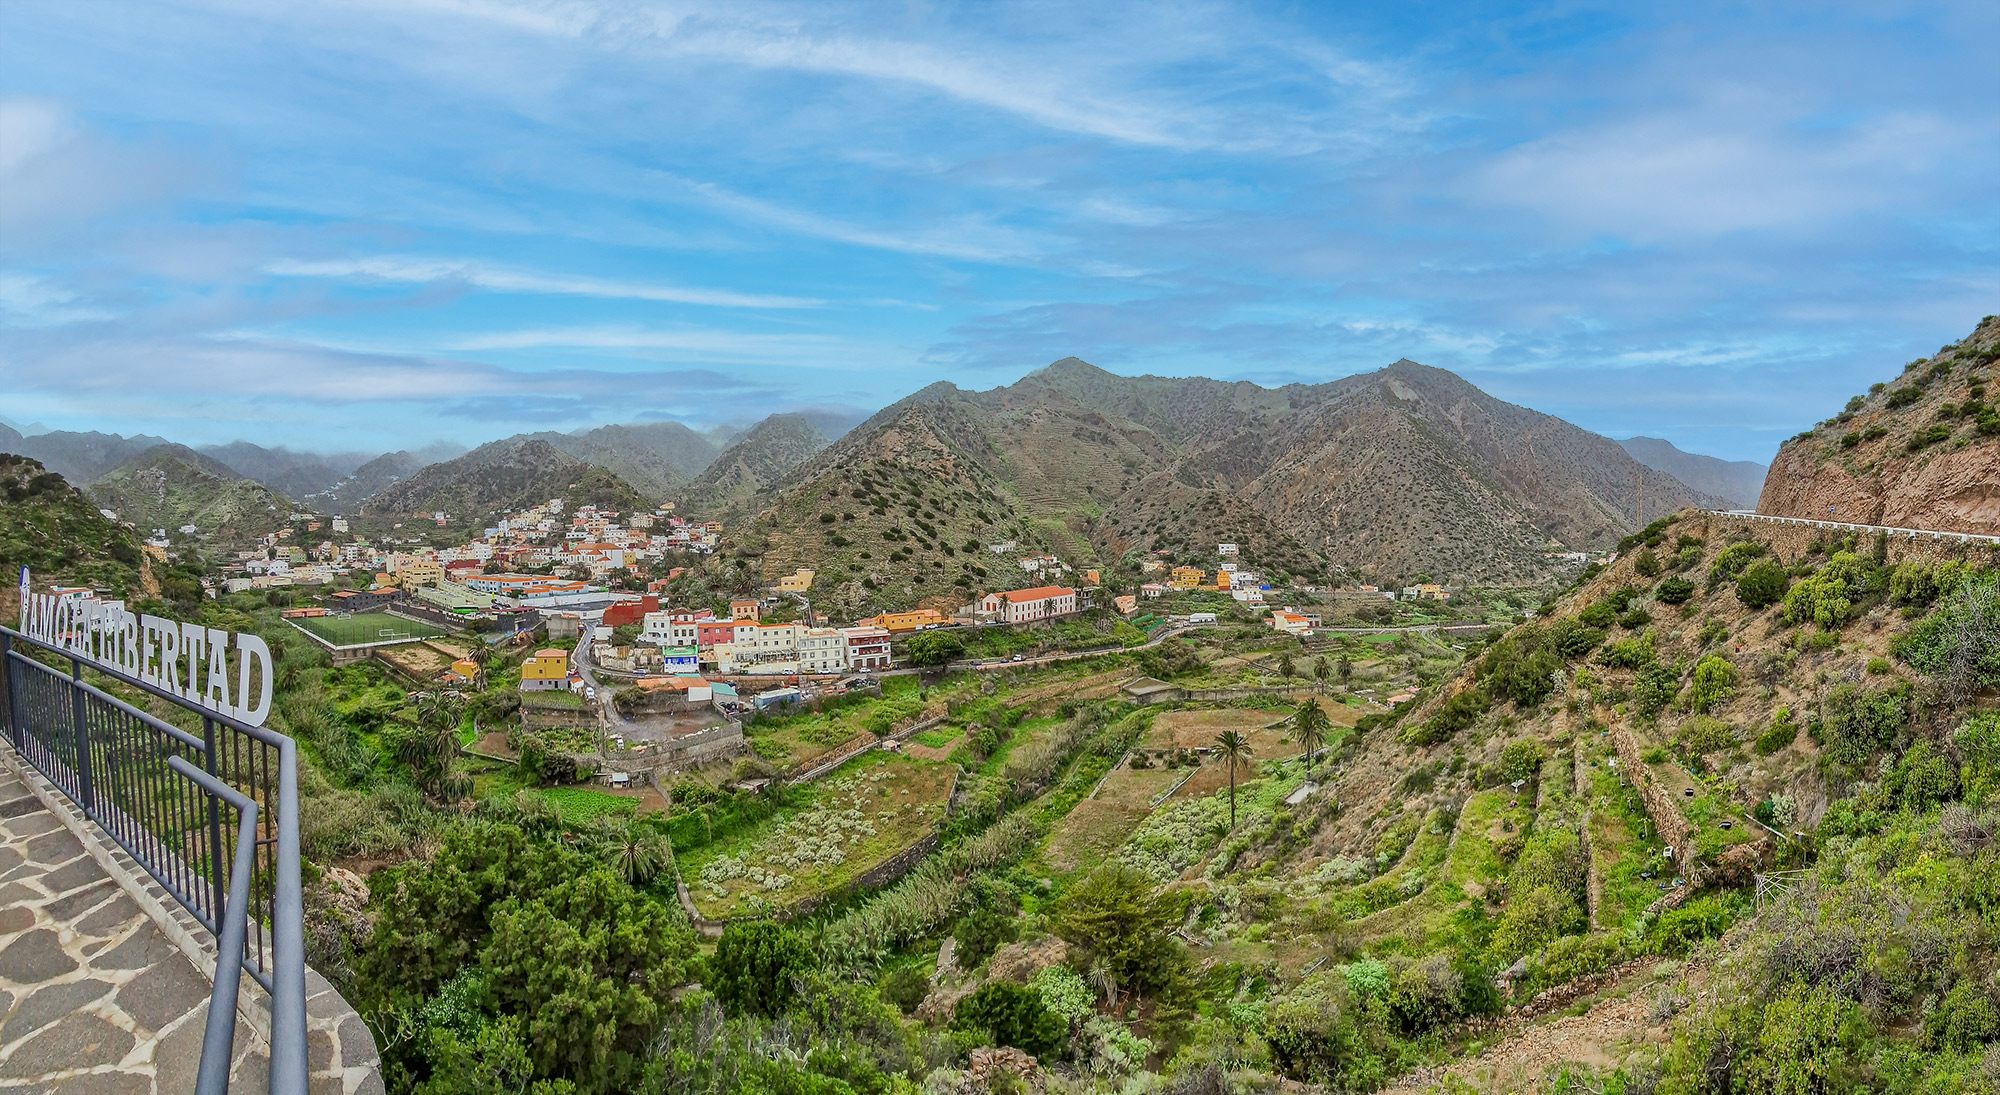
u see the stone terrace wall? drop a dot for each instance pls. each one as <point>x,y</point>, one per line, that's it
<point>1672,825</point>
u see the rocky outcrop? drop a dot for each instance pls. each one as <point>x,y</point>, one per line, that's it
<point>1922,452</point>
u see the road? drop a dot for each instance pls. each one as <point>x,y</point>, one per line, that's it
<point>607,711</point>
<point>1848,526</point>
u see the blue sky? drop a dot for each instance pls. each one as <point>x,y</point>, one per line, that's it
<point>369,225</point>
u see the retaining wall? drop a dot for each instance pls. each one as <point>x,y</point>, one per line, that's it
<point>1668,820</point>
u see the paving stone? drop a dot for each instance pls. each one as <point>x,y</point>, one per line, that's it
<point>34,957</point>
<point>71,907</point>
<point>10,858</point>
<point>102,1083</point>
<point>26,804</point>
<point>16,918</point>
<point>110,919</point>
<point>49,1003</point>
<point>319,1050</point>
<point>164,993</point>
<point>54,846</point>
<point>18,893</point>
<point>79,1041</point>
<point>371,1084</point>
<point>36,825</point>
<point>146,947</point>
<point>357,1042</point>
<point>79,872</point>
<point>177,1057</point>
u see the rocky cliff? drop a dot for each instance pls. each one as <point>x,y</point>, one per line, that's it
<point>1922,451</point>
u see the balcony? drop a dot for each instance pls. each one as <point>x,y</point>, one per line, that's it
<point>133,852</point>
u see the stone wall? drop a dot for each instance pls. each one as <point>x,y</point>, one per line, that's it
<point>1668,820</point>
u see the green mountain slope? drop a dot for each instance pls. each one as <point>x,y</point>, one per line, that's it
<point>502,476</point>
<point>170,486</point>
<point>56,531</point>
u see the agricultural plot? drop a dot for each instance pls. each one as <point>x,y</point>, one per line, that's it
<point>367,627</point>
<point>854,820</point>
<point>1199,729</point>
<point>1099,824</point>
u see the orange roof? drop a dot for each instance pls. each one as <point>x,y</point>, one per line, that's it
<point>552,653</point>
<point>1039,593</point>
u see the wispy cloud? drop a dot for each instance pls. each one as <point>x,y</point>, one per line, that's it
<point>416,270</point>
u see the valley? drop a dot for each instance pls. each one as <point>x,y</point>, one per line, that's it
<point>1209,812</point>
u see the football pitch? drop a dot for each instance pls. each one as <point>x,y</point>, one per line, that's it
<point>367,627</point>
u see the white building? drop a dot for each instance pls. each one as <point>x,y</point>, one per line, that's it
<point>1017,606</point>
<point>823,650</point>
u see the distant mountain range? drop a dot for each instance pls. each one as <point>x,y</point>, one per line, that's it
<point>1739,481</point>
<point>503,476</point>
<point>1404,472</point>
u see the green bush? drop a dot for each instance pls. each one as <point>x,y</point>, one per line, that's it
<point>756,966</point>
<point>1922,777</point>
<point>982,931</point>
<point>1653,689</point>
<point>1714,683</point>
<point>1646,564</point>
<point>1857,725</point>
<point>1674,591</point>
<point>1701,735</point>
<point>1522,759</point>
<point>1782,733</point>
<point>905,987</point>
<point>1677,931</point>
<point>1762,585</point>
<point>1012,1015</point>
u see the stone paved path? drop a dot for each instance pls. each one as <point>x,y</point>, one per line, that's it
<point>96,998</point>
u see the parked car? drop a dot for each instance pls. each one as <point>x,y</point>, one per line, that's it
<point>1017,657</point>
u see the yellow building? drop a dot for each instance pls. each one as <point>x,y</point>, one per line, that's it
<point>413,573</point>
<point>798,581</point>
<point>1186,577</point>
<point>545,670</point>
<point>897,623</point>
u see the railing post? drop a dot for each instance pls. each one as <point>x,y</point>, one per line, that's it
<point>288,939</point>
<point>218,884</point>
<point>86,792</point>
<point>7,685</point>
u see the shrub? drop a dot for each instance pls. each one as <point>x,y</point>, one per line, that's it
<point>1782,733</point>
<point>982,931</point>
<point>1677,931</point>
<point>1922,777</point>
<point>1653,689</point>
<point>754,968</point>
<point>1573,638</point>
<point>1963,1020</point>
<point>1856,725</point>
<point>1674,591</point>
<point>1701,735</point>
<point>1958,642</point>
<point>1011,1015</point>
<point>1762,585</point>
<point>1731,561</point>
<point>1522,759</point>
<point>1635,653</point>
<point>1533,920</point>
<point>1714,683</point>
<point>906,988</point>
<point>1598,615</point>
<point>1115,917</point>
<point>1646,564</point>
<point>1458,713</point>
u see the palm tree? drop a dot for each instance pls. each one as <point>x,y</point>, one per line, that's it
<point>1285,666</point>
<point>1321,670</point>
<point>1309,724</point>
<point>1233,748</point>
<point>1346,668</point>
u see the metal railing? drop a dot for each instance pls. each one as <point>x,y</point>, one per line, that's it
<point>161,793</point>
<point>1849,526</point>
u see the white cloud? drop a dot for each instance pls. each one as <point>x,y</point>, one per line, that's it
<point>30,301</point>
<point>415,270</point>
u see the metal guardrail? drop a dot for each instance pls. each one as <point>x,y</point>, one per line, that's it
<point>160,792</point>
<point>1849,526</point>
